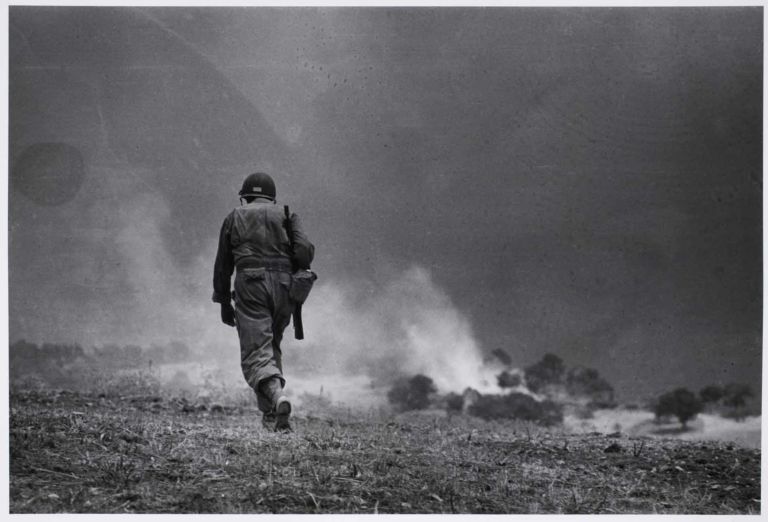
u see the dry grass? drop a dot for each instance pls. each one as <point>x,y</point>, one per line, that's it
<point>112,453</point>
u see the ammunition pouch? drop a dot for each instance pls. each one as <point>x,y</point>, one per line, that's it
<point>301,285</point>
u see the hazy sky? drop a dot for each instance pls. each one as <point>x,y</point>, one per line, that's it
<point>579,181</point>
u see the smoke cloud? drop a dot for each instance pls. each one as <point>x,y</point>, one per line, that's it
<point>405,327</point>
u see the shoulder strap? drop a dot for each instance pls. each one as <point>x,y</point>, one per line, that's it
<point>289,229</point>
<point>287,224</point>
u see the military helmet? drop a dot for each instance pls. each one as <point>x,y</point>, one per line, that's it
<point>258,184</point>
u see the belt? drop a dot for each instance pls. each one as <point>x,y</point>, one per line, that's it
<point>279,264</point>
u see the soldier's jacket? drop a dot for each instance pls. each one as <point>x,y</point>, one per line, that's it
<point>254,236</point>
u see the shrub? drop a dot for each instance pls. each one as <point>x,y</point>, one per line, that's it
<point>711,394</point>
<point>735,396</point>
<point>681,403</point>
<point>454,402</point>
<point>549,370</point>
<point>587,382</point>
<point>508,380</point>
<point>517,406</point>
<point>411,394</point>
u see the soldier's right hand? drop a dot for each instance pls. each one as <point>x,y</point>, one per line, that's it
<point>227,314</point>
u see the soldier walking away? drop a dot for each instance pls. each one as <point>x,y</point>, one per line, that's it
<point>265,244</point>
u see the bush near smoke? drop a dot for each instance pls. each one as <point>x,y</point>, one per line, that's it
<point>587,382</point>
<point>454,402</point>
<point>551,378</point>
<point>411,394</point>
<point>554,388</point>
<point>545,373</point>
<point>711,394</point>
<point>681,403</point>
<point>735,395</point>
<point>517,406</point>
<point>732,400</point>
<point>509,380</point>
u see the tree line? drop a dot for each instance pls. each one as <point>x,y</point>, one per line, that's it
<point>557,386</point>
<point>549,378</point>
<point>731,400</point>
<point>24,355</point>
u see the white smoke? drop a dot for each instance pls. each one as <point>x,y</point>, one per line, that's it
<point>154,300</point>
<point>406,327</point>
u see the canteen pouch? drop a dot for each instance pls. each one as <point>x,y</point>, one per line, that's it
<point>301,284</point>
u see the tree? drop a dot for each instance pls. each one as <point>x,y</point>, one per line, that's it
<point>711,394</point>
<point>516,406</point>
<point>736,395</point>
<point>587,382</point>
<point>681,403</point>
<point>411,394</point>
<point>549,370</point>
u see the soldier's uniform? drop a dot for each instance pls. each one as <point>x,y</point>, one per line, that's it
<point>254,241</point>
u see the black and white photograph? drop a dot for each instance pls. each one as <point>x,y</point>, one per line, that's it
<point>384,259</point>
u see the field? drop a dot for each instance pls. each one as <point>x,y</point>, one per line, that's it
<point>124,451</point>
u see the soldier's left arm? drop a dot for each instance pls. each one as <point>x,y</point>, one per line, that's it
<point>224,265</point>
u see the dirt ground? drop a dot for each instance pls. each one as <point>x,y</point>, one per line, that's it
<point>109,453</point>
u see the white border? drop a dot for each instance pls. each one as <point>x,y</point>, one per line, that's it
<point>4,130</point>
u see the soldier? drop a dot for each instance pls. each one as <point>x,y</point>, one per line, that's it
<point>254,240</point>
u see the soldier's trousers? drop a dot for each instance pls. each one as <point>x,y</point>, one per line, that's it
<point>263,310</point>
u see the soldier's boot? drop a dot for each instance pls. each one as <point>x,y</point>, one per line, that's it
<point>283,410</point>
<point>273,388</point>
